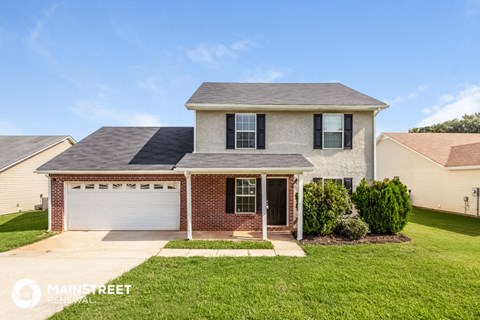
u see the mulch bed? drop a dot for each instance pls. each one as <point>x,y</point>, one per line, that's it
<point>370,238</point>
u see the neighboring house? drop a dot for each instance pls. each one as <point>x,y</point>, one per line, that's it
<point>20,188</point>
<point>440,169</point>
<point>239,168</point>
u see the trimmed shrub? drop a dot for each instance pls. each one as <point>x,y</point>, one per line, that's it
<point>383,205</point>
<point>351,228</point>
<point>323,206</point>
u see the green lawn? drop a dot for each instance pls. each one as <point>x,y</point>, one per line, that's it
<point>218,244</point>
<point>19,229</point>
<point>435,276</point>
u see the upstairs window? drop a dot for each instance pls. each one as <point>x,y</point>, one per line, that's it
<point>332,131</point>
<point>245,131</point>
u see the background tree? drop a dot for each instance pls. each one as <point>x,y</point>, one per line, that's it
<point>468,124</point>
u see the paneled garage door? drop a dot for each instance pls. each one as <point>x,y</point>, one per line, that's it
<point>123,205</point>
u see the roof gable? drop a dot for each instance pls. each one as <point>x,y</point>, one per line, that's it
<point>446,149</point>
<point>299,95</point>
<point>15,149</point>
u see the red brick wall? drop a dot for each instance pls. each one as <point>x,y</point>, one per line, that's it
<point>208,200</point>
<point>209,205</point>
<point>58,197</point>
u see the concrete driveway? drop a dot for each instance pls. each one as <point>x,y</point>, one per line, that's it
<point>62,265</point>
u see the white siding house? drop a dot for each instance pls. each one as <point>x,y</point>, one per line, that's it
<point>440,169</point>
<point>20,188</point>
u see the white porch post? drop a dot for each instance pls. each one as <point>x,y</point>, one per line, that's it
<point>189,205</point>
<point>300,208</point>
<point>264,206</point>
<point>49,195</point>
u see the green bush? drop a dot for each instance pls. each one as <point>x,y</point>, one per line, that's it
<point>323,206</point>
<point>383,205</point>
<point>351,228</point>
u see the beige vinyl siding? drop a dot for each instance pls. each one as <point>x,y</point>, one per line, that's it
<point>20,185</point>
<point>432,186</point>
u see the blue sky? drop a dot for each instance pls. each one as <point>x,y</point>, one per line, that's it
<point>69,67</point>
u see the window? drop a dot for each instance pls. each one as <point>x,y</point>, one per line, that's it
<point>171,185</point>
<point>332,131</point>
<point>103,186</point>
<point>77,186</point>
<point>158,186</point>
<point>338,181</point>
<point>90,186</point>
<point>245,193</point>
<point>131,186</point>
<point>245,131</point>
<point>117,186</point>
<point>144,186</point>
<point>317,180</point>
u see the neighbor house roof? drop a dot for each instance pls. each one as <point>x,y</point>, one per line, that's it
<point>125,149</point>
<point>15,149</point>
<point>243,161</point>
<point>446,149</point>
<point>219,95</point>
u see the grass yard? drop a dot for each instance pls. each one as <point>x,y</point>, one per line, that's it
<point>19,229</point>
<point>435,276</point>
<point>218,244</point>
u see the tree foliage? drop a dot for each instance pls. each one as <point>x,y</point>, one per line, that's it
<point>383,205</point>
<point>323,206</point>
<point>468,124</point>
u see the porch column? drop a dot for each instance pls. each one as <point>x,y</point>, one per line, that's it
<point>189,205</point>
<point>49,195</point>
<point>300,208</point>
<point>264,206</point>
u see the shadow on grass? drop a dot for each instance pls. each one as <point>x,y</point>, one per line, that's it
<point>34,220</point>
<point>469,226</point>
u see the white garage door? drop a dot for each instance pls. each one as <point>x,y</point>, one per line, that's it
<point>123,205</point>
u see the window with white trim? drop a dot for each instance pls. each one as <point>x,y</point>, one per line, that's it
<point>245,195</point>
<point>332,131</point>
<point>245,131</point>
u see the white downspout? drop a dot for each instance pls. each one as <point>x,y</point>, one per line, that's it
<point>374,135</point>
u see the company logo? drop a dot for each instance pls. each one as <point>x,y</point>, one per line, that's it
<point>26,293</point>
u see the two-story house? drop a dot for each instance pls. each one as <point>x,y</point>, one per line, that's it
<point>252,147</point>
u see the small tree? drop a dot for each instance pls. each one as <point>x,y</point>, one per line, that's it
<point>323,206</point>
<point>383,205</point>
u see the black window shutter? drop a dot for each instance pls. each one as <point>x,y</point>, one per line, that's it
<point>317,180</point>
<point>348,184</point>
<point>230,205</point>
<point>259,194</point>
<point>347,131</point>
<point>260,131</point>
<point>317,131</point>
<point>230,131</point>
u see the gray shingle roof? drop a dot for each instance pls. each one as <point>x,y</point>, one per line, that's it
<point>16,148</point>
<point>242,161</point>
<point>125,149</point>
<point>280,94</point>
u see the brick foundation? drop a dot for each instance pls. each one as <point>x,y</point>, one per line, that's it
<point>208,201</point>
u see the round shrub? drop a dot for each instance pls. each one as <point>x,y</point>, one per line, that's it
<point>351,228</point>
<point>383,205</point>
<point>322,206</point>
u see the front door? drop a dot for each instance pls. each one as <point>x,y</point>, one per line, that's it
<point>277,201</point>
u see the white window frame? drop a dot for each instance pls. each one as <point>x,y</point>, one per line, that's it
<point>331,178</point>
<point>332,131</point>
<point>243,195</point>
<point>254,131</point>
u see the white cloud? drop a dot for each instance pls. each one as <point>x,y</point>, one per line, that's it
<point>264,74</point>
<point>452,106</point>
<point>210,55</point>
<point>408,96</point>
<point>97,109</point>
<point>36,32</point>
<point>8,128</point>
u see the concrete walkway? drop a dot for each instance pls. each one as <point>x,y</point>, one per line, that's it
<point>280,248</point>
